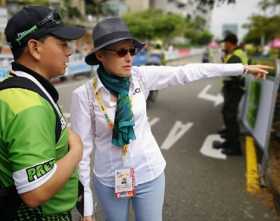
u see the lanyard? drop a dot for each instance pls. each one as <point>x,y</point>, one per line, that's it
<point>101,105</point>
<point>35,81</point>
<point>104,111</point>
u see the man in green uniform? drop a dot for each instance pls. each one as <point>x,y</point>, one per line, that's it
<point>38,154</point>
<point>233,90</point>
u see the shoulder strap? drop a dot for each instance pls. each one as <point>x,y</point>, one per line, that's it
<point>21,82</point>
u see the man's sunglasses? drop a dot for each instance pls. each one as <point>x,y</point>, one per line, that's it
<point>51,19</point>
<point>123,51</point>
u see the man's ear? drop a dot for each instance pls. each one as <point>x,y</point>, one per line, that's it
<point>33,47</point>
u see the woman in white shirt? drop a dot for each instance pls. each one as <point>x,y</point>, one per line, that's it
<point>109,113</point>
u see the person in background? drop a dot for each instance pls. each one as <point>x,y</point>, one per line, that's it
<point>233,90</point>
<point>38,154</point>
<point>109,113</point>
<point>205,56</point>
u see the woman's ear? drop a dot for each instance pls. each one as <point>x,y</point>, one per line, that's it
<point>33,47</point>
<point>99,56</point>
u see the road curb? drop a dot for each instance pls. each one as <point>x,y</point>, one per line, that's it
<point>252,174</point>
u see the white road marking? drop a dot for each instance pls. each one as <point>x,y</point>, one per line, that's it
<point>216,99</point>
<point>209,151</point>
<point>177,131</point>
<point>154,121</point>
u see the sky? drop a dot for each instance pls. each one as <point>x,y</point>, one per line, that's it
<point>237,13</point>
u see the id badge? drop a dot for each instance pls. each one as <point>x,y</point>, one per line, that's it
<point>124,183</point>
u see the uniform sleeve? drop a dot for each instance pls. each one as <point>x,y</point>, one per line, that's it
<point>81,124</point>
<point>31,137</point>
<point>159,77</point>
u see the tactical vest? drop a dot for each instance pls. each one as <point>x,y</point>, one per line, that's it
<point>236,81</point>
<point>239,53</point>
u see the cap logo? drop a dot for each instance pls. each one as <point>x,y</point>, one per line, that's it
<point>21,35</point>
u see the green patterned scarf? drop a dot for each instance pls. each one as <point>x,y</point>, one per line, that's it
<point>123,125</point>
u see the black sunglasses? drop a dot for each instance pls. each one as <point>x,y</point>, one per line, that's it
<point>123,51</point>
<point>51,19</point>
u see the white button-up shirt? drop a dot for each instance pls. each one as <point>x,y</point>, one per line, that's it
<point>144,154</point>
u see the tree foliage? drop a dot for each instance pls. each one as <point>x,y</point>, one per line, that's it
<point>68,11</point>
<point>196,33</point>
<point>94,7</point>
<point>211,3</point>
<point>32,2</point>
<point>153,24</point>
<point>156,24</point>
<point>262,27</point>
<point>266,4</point>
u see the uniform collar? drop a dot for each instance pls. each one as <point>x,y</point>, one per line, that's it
<point>45,83</point>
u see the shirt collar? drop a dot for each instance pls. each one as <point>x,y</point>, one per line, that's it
<point>45,83</point>
<point>99,84</point>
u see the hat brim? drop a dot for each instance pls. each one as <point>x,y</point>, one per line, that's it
<point>67,32</point>
<point>91,58</point>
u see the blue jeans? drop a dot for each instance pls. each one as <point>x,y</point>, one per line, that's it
<point>147,202</point>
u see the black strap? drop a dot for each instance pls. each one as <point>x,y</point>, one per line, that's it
<point>80,201</point>
<point>10,201</point>
<point>21,82</point>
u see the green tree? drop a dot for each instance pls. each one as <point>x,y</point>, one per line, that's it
<point>262,27</point>
<point>152,24</point>
<point>156,24</point>
<point>95,7</point>
<point>211,3</point>
<point>204,38</point>
<point>74,12</point>
<point>68,11</point>
<point>266,4</point>
<point>195,31</point>
<point>32,2</point>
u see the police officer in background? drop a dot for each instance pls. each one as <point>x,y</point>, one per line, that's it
<point>233,90</point>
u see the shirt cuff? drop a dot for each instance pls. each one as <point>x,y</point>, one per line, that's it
<point>30,178</point>
<point>88,203</point>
